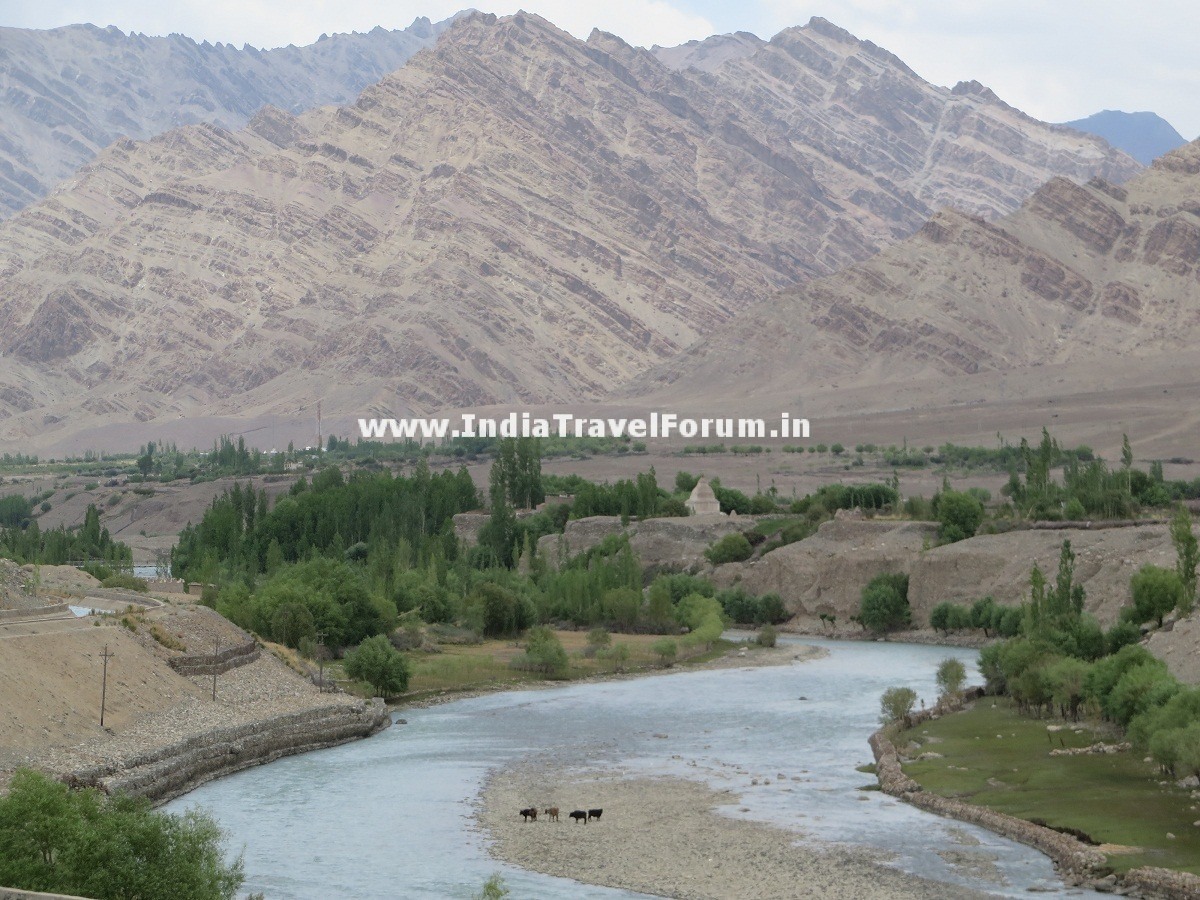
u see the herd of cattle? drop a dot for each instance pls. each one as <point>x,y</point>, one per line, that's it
<point>579,815</point>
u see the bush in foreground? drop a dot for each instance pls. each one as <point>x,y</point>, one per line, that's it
<point>80,842</point>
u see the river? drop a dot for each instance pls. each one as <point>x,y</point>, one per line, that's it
<point>393,815</point>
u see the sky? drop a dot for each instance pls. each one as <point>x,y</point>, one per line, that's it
<point>1057,60</point>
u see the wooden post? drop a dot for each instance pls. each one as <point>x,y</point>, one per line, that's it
<point>104,683</point>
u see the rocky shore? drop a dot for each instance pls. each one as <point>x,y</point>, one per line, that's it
<point>263,711</point>
<point>665,836</point>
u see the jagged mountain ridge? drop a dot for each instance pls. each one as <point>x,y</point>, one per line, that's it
<point>513,216</point>
<point>66,93</point>
<point>1079,276</point>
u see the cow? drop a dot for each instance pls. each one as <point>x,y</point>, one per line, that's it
<point>593,814</point>
<point>530,814</point>
<point>579,816</point>
<point>551,813</point>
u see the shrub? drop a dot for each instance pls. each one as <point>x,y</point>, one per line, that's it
<point>543,653</point>
<point>164,637</point>
<point>125,582</point>
<point>665,649</point>
<point>493,889</point>
<point>83,843</point>
<point>598,637</point>
<point>731,548</point>
<point>896,703</point>
<point>767,636</point>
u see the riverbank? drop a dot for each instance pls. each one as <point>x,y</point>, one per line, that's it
<point>1052,794</point>
<point>665,836</point>
<point>164,732</point>
<point>263,712</point>
<point>737,657</point>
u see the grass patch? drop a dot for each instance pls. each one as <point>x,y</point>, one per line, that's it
<point>462,667</point>
<point>993,757</point>
<point>164,637</point>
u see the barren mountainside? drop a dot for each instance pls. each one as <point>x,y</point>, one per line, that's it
<point>1093,274</point>
<point>67,93</point>
<point>515,215</point>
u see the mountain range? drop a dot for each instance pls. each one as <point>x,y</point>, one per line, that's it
<point>67,93</point>
<point>515,215</point>
<point>1085,290</point>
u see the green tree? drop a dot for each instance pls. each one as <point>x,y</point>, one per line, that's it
<point>1067,678</point>
<point>885,603</point>
<point>1156,591</point>
<point>1127,462</point>
<point>951,676</point>
<point>659,607</point>
<point>380,665</point>
<point>82,843</point>
<point>1186,556</point>
<point>959,515</point>
<point>896,703</point>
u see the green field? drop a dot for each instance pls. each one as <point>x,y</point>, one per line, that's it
<point>467,667</point>
<point>996,758</point>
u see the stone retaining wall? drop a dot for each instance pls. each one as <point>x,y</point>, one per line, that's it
<point>167,772</point>
<point>1075,861</point>
<point>215,663</point>
<point>57,609</point>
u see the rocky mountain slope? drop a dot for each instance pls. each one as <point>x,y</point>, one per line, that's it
<point>1080,275</point>
<point>1143,135</point>
<point>515,215</point>
<point>67,93</point>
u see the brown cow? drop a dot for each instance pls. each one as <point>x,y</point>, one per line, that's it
<point>530,814</point>
<point>551,813</point>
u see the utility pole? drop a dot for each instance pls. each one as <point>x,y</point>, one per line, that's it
<point>104,682</point>
<point>321,661</point>
<point>216,653</point>
<point>320,445</point>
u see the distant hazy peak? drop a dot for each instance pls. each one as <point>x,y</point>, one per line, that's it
<point>66,93</point>
<point>1143,135</point>
<point>710,53</point>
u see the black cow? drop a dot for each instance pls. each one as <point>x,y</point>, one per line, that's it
<point>579,816</point>
<point>530,814</point>
<point>594,814</point>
